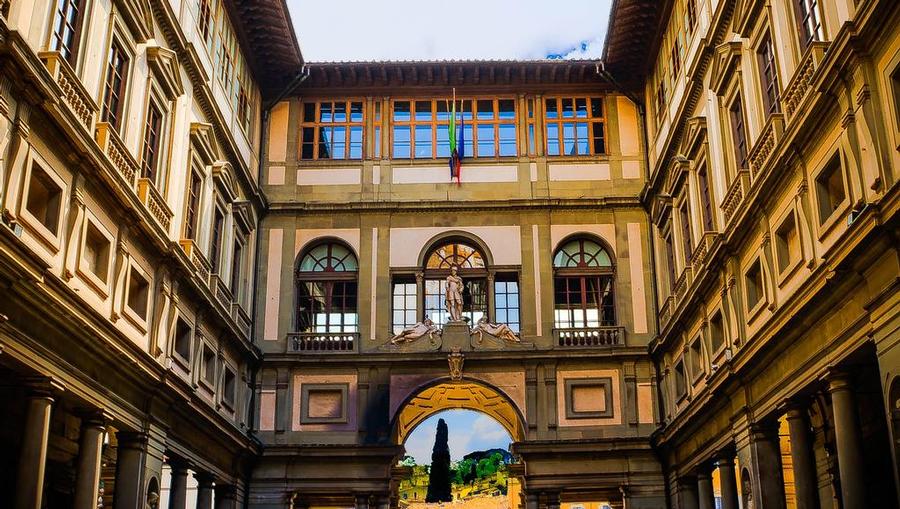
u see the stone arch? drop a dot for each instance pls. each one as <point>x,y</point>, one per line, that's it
<point>466,394</point>
<point>455,235</point>
<point>586,235</point>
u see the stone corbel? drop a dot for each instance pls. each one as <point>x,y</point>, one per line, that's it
<point>768,269</point>
<point>801,198</point>
<point>120,274</point>
<point>74,228</point>
<point>15,170</point>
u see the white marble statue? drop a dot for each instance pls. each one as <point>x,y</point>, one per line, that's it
<point>498,330</point>
<point>454,295</point>
<point>421,329</point>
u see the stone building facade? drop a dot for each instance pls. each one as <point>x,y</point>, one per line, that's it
<point>772,130</point>
<point>130,133</point>
<point>548,228</point>
<point>210,251</point>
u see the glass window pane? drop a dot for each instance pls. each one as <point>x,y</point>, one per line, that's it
<point>599,141</point>
<point>377,142</point>
<point>443,141</point>
<point>401,142</point>
<point>325,142</point>
<point>552,139</point>
<point>443,113</point>
<point>356,112</point>
<point>596,107</point>
<point>465,108</point>
<point>467,144</point>
<point>309,112</point>
<point>551,111</point>
<point>340,142</point>
<point>423,110</point>
<point>531,139</point>
<point>568,108</point>
<point>401,111</point>
<point>340,112</point>
<point>507,109</point>
<point>569,139</point>
<point>308,143</point>
<point>581,108</point>
<point>485,110</point>
<point>485,141</point>
<point>507,140</point>
<point>581,135</point>
<point>423,141</point>
<point>325,114</point>
<point>356,143</point>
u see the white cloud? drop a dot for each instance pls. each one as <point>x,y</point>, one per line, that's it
<point>436,29</point>
<point>486,429</point>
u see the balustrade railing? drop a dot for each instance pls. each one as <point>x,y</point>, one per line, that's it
<point>331,342</point>
<point>800,84</point>
<point>112,145</point>
<point>74,94</point>
<point>155,203</point>
<point>589,337</point>
<point>765,146</point>
<point>735,194</point>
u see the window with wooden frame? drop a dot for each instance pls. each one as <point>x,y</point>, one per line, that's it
<point>660,99</point>
<point>680,380</point>
<point>754,291</point>
<point>738,132</point>
<point>684,218</point>
<point>768,75</point>
<point>530,121</point>
<point>583,285</point>
<point>67,27</point>
<point>327,286</point>
<point>421,128</point>
<point>472,268</point>
<point>404,304</point>
<point>809,22</point>
<point>225,54</point>
<point>117,63</point>
<point>690,15</point>
<point>575,126</point>
<point>244,105</point>
<point>506,300</point>
<point>332,130</point>
<point>192,214</point>
<point>376,142</point>
<point>215,247</point>
<point>153,131</point>
<point>205,21</point>
<point>237,265</point>
<point>670,260</point>
<point>705,199</point>
<point>674,61</point>
<point>831,191</point>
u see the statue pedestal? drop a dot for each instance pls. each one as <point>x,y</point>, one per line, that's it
<point>455,334</point>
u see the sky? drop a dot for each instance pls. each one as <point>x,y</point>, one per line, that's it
<point>352,30</point>
<point>467,431</point>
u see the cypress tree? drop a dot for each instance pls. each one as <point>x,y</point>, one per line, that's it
<point>439,476</point>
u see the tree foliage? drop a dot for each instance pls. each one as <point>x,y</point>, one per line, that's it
<point>439,476</point>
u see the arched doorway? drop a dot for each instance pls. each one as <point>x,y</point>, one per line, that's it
<point>440,399</point>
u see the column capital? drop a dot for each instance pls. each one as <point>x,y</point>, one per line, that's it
<point>44,386</point>
<point>724,460</point>
<point>179,465</point>
<point>204,479</point>
<point>132,439</point>
<point>838,380</point>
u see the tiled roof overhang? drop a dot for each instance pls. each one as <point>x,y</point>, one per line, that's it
<point>264,27</point>
<point>451,73</point>
<point>632,39</point>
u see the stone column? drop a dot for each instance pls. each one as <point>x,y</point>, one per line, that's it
<point>33,456</point>
<point>129,487</point>
<point>553,500</point>
<point>225,496</point>
<point>687,494</point>
<point>178,486</point>
<point>383,502</point>
<point>362,501</point>
<point>706,497</point>
<point>204,490</point>
<point>90,455</point>
<point>849,442</point>
<point>728,482</point>
<point>804,463</point>
<point>531,500</point>
<point>766,448</point>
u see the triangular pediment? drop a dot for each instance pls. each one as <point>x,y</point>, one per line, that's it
<point>727,56</point>
<point>163,64</point>
<point>203,143</point>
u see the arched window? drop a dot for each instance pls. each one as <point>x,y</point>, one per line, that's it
<point>327,289</point>
<point>583,283</point>
<point>472,269</point>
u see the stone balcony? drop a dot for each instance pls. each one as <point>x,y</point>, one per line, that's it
<point>589,337</point>
<point>735,195</point>
<point>798,88</point>
<point>74,95</point>
<point>323,342</point>
<point>154,203</point>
